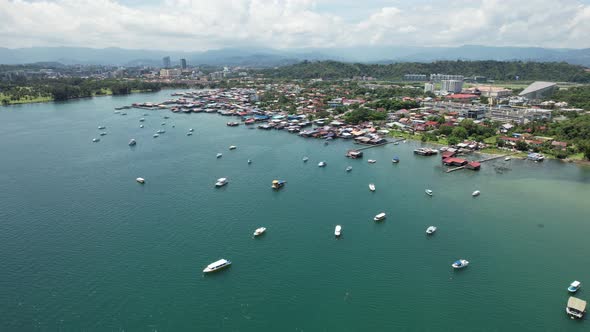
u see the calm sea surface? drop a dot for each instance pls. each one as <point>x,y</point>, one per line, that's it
<point>84,247</point>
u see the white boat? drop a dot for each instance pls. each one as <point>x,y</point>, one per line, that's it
<point>221,182</point>
<point>337,230</point>
<point>140,126</point>
<point>141,120</point>
<point>140,180</point>
<point>161,131</point>
<point>460,263</point>
<point>191,130</point>
<point>189,134</point>
<point>219,155</point>
<point>574,286</point>
<point>428,192</point>
<point>475,193</point>
<point>322,164</point>
<point>96,140</point>
<point>249,161</point>
<point>371,187</point>
<point>233,147</point>
<point>103,133</point>
<point>380,216</point>
<point>305,159</point>
<point>132,142</point>
<point>507,158</point>
<point>431,230</point>
<point>156,135</point>
<point>259,231</point>
<point>101,127</point>
<point>371,161</point>
<point>349,168</point>
<point>163,123</point>
<point>218,265</point>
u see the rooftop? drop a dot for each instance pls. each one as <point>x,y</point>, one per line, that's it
<point>536,86</point>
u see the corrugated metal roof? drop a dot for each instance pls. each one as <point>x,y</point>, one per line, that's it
<point>576,303</point>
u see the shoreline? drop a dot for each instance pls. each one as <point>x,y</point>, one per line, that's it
<point>78,98</point>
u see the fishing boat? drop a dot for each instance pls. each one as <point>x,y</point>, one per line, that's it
<point>278,184</point>
<point>395,160</point>
<point>221,182</point>
<point>95,140</point>
<point>349,168</point>
<point>431,230</point>
<point>305,159</point>
<point>218,265</point>
<point>259,231</point>
<point>475,193</point>
<point>233,147</point>
<point>428,192</point>
<point>140,180</point>
<point>132,142</point>
<point>371,161</point>
<point>371,187</point>
<point>337,230</point>
<point>219,155</point>
<point>322,164</point>
<point>574,286</point>
<point>380,216</point>
<point>460,263</point>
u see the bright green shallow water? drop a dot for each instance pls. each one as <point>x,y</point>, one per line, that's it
<point>84,247</point>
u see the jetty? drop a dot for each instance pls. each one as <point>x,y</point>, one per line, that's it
<point>479,161</point>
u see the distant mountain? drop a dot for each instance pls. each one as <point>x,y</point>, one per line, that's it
<point>266,57</point>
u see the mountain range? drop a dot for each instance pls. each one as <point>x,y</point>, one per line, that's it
<point>267,57</point>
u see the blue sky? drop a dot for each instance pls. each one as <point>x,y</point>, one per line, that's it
<point>209,24</point>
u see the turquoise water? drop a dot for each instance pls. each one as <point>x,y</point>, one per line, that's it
<point>84,247</point>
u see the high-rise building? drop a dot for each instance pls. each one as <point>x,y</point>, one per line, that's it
<point>183,63</point>
<point>453,86</point>
<point>166,62</point>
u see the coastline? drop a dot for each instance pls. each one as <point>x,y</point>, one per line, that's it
<point>78,98</point>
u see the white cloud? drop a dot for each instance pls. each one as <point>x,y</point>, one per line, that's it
<point>205,24</point>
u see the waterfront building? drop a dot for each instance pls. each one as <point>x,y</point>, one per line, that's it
<point>166,62</point>
<point>453,86</point>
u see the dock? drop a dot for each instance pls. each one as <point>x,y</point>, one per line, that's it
<point>480,161</point>
<point>376,145</point>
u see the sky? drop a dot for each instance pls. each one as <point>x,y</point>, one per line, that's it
<point>197,25</point>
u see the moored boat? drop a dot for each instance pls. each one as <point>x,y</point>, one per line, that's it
<point>431,230</point>
<point>428,192</point>
<point>233,147</point>
<point>574,286</point>
<point>219,155</point>
<point>576,308</point>
<point>103,133</point>
<point>189,134</point>
<point>475,193</point>
<point>395,160</point>
<point>371,161</point>
<point>221,182</point>
<point>140,126</point>
<point>249,161</point>
<point>278,184</point>
<point>101,127</point>
<point>460,263</point>
<point>349,168</point>
<point>259,231</point>
<point>371,186</point>
<point>218,265</point>
<point>337,230</point>
<point>132,142</point>
<point>95,140</point>
<point>507,159</point>
<point>156,135</point>
<point>140,180</point>
<point>322,164</point>
<point>380,216</point>
<point>305,159</point>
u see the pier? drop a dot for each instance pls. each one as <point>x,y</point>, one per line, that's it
<point>480,161</point>
<point>376,145</point>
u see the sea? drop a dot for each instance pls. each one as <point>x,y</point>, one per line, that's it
<point>84,247</point>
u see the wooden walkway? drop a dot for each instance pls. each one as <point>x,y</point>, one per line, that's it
<point>480,161</point>
<point>376,145</point>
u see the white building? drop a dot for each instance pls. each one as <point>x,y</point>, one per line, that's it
<point>429,87</point>
<point>445,77</point>
<point>454,86</point>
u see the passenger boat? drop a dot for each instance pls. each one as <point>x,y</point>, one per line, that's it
<point>371,161</point>
<point>233,147</point>
<point>278,184</point>
<point>380,216</point>
<point>460,263</point>
<point>259,231</point>
<point>95,140</point>
<point>349,168</point>
<point>428,192</point>
<point>371,187</point>
<point>221,182</point>
<point>337,230</point>
<point>576,307</point>
<point>305,159</point>
<point>475,193</point>
<point>218,265</point>
<point>574,286</point>
<point>132,142</point>
<point>431,230</point>
<point>322,164</point>
<point>219,155</point>
<point>140,180</point>
<point>102,127</point>
<point>395,160</point>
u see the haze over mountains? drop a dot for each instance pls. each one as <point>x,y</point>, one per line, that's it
<point>265,57</point>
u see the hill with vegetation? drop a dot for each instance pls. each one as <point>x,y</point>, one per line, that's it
<point>495,70</point>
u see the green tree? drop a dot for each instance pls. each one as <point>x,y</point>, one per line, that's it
<point>522,145</point>
<point>460,133</point>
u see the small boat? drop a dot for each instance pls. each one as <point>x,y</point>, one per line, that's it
<point>428,192</point>
<point>460,263</point>
<point>163,123</point>
<point>189,134</point>
<point>141,120</point>
<point>249,161</point>
<point>322,164</point>
<point>233,147</point>
<point>166,117</point>
<point>140,180</point>
<point>221,182</point>
<point>475,193</point>
<point>161,131</point>
<point>337,230</point>
<point>132,142</point>
<point>259,231</point>
<point>102,127</point>
<point>380,216</point>
<point>574,286</point>
<point>349,168</point>
<point>305,159</point>
<point>219,155</point>
<point>156,135</point>
<point>191,130</point>
<point>103,133</point>
<point>95,140</point>
<point>278,184</point>
<point>218,265</point>
<point>371,161</point>
<point>576,307</point>
<point>395,160</point>
<point>371,187</point>
<point>507,159</point>
<point>431,230</point>
<point>396,143</point>
<point>140,126</point>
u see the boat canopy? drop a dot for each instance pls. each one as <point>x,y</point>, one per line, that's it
<point>458,262</point>
<point>575,284</point>
<point>576,304</point>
